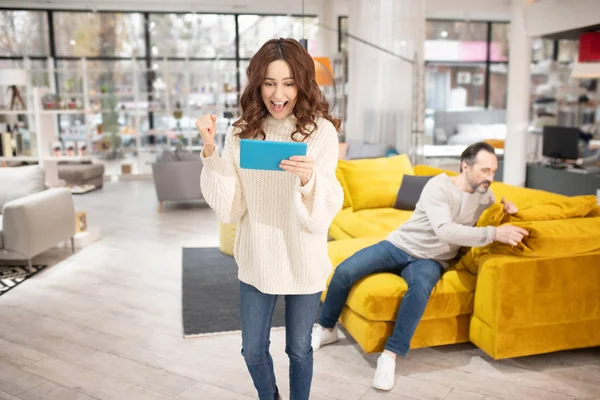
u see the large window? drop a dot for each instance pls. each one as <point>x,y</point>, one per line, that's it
<point>256,29</point>
<point>456,41</point>
<point>466,64</point>
<point>24,33</point>
<point>149,75</point>
<point>192,35</point>
<point>87,34</point>
<point>455,85</point>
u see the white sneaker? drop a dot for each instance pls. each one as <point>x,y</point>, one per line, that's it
<point>385,375</point>
<point>322,336</point>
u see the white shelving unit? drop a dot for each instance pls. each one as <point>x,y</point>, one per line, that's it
<point>207,96</point>
<point>340,71</point>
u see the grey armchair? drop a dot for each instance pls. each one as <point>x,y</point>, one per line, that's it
<point>33,219</point>
<point>177,177</point>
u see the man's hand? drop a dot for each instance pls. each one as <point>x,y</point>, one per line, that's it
<point>510,234</point>
<point>509,206</point>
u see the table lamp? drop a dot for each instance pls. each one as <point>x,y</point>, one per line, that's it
<point>13,78</point>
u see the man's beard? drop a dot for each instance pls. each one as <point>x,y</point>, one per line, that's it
<point>480,187</point>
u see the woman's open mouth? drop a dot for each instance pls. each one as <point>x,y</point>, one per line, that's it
<point>278,106</point>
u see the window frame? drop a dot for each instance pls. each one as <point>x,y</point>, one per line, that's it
<point>147,56</point>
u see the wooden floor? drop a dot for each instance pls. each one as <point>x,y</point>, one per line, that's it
<point>105,323</point>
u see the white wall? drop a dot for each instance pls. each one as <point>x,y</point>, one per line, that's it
<point>494,10</point>
<point>455,9</point>
<point>552,16</point>
<point>230,6</point>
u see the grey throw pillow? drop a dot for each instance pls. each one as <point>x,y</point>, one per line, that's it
<point>410,191</point>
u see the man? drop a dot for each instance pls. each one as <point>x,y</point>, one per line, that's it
<point>419,251</point>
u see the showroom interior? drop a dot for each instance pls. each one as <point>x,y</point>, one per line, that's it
<point>117,279</point>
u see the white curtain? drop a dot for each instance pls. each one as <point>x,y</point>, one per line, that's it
<point>381,96</point>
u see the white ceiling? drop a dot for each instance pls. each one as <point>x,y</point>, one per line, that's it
<point>454,9</point>
<point>238,6</point>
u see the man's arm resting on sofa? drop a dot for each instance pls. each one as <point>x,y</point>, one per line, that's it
<point>35,223</point>
<point>436,203</point>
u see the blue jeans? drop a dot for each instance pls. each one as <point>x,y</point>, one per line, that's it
<point>256,314</point>
<point>420,275</point>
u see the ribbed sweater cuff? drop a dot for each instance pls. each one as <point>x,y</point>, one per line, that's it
<point>214,161</point>
<point>308,190</point>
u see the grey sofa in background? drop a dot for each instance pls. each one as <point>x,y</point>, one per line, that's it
<point>33,219</point>
<point>177,177</point>
<point>356,149</point>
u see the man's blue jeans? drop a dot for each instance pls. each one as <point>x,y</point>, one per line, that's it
<point>420,275</point>
<point>256,314</point>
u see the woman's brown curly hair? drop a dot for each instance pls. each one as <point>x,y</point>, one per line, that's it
<point>310,101</point>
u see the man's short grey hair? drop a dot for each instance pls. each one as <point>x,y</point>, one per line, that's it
<point>470,154</point>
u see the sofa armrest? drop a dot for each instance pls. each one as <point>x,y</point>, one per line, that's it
<point>34,223</point>
<point>520,302</point>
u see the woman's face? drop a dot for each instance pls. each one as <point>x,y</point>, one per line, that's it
<point>278,90</point>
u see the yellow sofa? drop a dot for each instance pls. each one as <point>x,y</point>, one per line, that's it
<point>534,298</point>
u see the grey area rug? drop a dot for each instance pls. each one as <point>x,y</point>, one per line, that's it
<point>211,293</point>
<point>13,275</point>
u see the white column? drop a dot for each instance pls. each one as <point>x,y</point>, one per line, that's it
<point>327,36</point>
<point>380,98</point>
<point>517,109</point>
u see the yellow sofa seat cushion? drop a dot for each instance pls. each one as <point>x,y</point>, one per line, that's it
<point>370,222</point>
<point>337,233</point>
<point>374,183</point>
<point>377,296</point>
<point>372,335</point>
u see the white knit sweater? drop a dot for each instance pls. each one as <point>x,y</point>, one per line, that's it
<point>281,239</point>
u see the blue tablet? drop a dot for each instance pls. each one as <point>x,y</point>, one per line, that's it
<point>267,155</point>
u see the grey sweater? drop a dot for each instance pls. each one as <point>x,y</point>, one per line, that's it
<point>443,221</point>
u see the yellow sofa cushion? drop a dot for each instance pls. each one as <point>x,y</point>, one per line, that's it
<point>546,210</point>
<point>377,297</point>
<point>227,233</point>
<point>428,170</point>
<point>571,207</point>
<point>523,197</point>
<point>594,213</point>
<point>370,222</point>
<point>339,174</point>
<point>554,238</point>
<point>372,335</point>
<point>337,233</point>
<point>374,183</point>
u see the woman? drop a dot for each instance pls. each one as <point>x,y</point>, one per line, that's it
<point>283,216</point>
